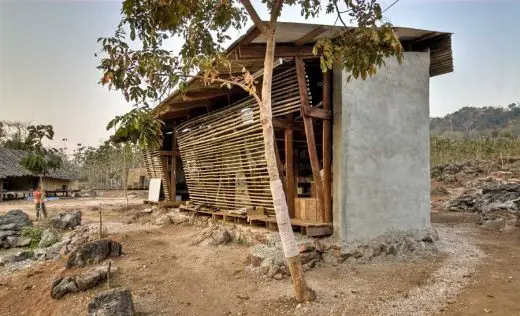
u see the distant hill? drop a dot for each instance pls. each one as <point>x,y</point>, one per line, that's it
<point>473,121</point>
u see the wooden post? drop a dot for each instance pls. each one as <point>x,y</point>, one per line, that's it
<point>327,153</point>
<point>289,170</point>
<point>173,175</point>
<point>309,131</point>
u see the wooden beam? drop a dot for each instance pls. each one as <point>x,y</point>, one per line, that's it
<point>317,112</point>
<point>209,94</point>
<point>327,152</point>
<point>281,50</point>
<point>309,130</point>
<point>173,174</point>
<point>164,164</point>
<point>289,170</point>
<point>286,124</point>
<point>251,36</point>
<point>311,35</point>
<point>169,153</point>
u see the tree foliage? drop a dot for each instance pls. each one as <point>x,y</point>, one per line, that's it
<point>136,62</point>
<point>479,121</point>
<point>40,160</point>
<point>138,126</point>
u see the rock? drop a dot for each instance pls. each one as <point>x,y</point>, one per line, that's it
<point>21,256</point>
<point>16,218</point>
<point>308,256</point>
<point>162,220</point>
<point>79,282</point>
<point>62,286</point>
<point>497,224</point>
<point>219,237</point>
<point>177,219</point>
<point>49,238</point>
<point>7,233</point>
<point>278,276</point>
<point>66,220</point>
<point>18,241</point>
<point>114,302</point>
<point>91,278</point>
<point>94,252</point>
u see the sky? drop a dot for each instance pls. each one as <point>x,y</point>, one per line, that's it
<point>48,69</point>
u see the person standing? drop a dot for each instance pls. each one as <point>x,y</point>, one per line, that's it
<point>39,203</point>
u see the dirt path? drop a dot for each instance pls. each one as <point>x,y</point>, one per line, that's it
<point>167,276</point>
<point>495,287</point>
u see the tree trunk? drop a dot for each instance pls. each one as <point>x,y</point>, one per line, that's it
<point>290,248</point>
<point>124,179</point>
<point>42,196</point>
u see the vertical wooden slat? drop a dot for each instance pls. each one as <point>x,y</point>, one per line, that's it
<point>173,176</point>
<point>289,170</point>
<point>327,152</point>
<point>309,130</point>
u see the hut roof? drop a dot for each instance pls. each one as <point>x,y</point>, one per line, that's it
<point>10,166</point>
<point>298,39</point>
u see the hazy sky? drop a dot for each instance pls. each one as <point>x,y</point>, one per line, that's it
<point>48,70</point>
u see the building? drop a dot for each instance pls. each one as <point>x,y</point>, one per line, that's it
<point>18,182</point>
<point>354,155</point>
<point>137,179</point>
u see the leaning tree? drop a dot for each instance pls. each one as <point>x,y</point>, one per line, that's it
<point>136,61</point>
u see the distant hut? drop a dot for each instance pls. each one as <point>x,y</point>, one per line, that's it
<point>16,181</point>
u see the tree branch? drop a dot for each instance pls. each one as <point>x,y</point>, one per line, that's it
<point>339,15</point>
<point>254,15</point>
<point>277,6</point>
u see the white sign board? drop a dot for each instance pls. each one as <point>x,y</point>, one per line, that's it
<point>154,190</point>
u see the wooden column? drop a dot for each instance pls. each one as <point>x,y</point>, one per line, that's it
<point>309,131</point>
<point>289,170</point>
<point>327,152</point>
<point>280,170</point>
<point>173,174</point>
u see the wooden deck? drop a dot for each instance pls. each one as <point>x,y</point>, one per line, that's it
<point>305,227</point>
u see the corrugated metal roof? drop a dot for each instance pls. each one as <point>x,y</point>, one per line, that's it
<point>10,166</point>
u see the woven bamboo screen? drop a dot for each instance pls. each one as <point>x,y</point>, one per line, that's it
<point>223,151</point>
<point>156,169</point>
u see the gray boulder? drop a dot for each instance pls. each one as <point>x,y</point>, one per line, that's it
<point>16,257</point>
<point>114,302</point>
<point>18,241</point>
<point>79,282</point>
<point>66,220</point>
<point>93,252</point>
<point>49,238</point>
<point>62,286</point>
<point>17,219</point>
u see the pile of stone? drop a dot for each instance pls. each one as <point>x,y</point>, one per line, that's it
<point>462,172</point>
<point>498,204</point>
<point>11,226</point>
<point>79,282</point>
<point>267,259</point>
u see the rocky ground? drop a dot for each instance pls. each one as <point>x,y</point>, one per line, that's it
<point>180,265</point>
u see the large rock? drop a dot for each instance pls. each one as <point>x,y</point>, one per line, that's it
<point>66,220</point>
<point>18,241</point>
<point>114,302</point>
<point>14,220</point>
<point>16,257</point>
<point>49,238</point>
<point>94,252</point>
<point>79,282</point>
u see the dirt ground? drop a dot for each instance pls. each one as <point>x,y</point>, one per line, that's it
<point>167,276</point>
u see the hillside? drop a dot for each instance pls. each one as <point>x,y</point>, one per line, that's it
<point>483,121</point>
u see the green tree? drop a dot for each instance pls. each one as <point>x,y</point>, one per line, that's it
<point>40,160</point>
<point>146,74</point>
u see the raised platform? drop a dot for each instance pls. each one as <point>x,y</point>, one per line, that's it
<point>305,227</point>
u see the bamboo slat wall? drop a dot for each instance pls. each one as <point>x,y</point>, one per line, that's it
<point>155,169</point>
<point>223,151</point>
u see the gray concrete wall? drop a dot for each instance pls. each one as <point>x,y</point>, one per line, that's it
<point>381,179</point>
